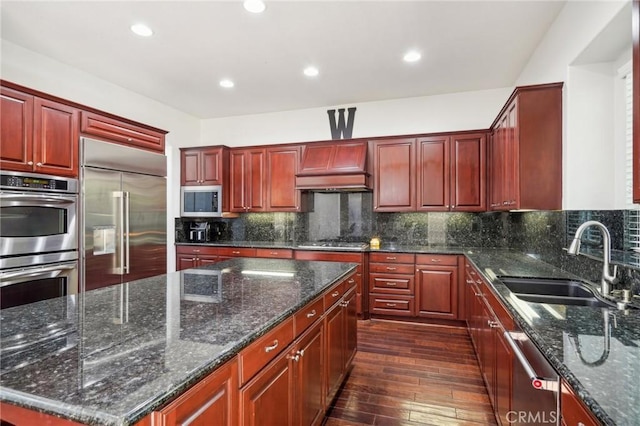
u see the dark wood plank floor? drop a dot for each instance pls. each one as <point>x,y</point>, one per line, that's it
<point>412,374</point>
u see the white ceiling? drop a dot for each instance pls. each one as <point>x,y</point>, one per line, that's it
<point>357,45</point>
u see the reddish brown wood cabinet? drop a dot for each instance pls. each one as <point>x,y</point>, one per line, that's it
<point>38,135</point>
<point>204,166</point>
<point>194,256</point>
<point>391,284</point>
<point>329,164</point>
<point>394,165</point>
<point>573,411</point>
<point>525,153</point>
<point>213,400</point>
<point>635,29</point>
<point>451,172</point>
<point>247,180</point>
<point>282,167</point>
<point>437,286</point>
<point>122,132</point>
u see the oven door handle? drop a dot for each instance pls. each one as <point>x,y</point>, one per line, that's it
<point>10,278</point>
<point>8,200</point>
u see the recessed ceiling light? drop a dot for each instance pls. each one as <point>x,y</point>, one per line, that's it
<point>226,83</point>
<point>141,30</point>
<point>254,6</point>
<point>412,56</point>
<point>311,71</point>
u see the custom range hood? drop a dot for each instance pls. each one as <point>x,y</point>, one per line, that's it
<point>334,166</point>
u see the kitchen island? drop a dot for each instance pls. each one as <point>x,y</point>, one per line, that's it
<point>112,356</point>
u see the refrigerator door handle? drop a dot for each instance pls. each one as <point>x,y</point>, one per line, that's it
<point>127,209</point>
<point>120,268</point>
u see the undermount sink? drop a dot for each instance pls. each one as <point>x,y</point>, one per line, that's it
<point>555,291</point>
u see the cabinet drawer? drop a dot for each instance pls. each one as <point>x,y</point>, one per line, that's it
<point>209,251</point>
<point>308,315</point>
<point>121,132</point>
<point>333,295</point>
<point>391,268</point>
<point>392,305</point>
<point>351,282</point>
<point>237,251</point>
<point>400,284</point>
<point>392,258</point>
<point>436,259</point>
<point>275,253</point>
<point>259,353</point>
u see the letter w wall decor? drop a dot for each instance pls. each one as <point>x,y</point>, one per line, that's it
<point>341,130</point>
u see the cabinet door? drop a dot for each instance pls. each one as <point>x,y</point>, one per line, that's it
<point>204,260</point>
<point>282,167</point>
<point>495,168</point>
<point>351,328</point>
<point>394,175</point>
<point>239,173</point>
<point>511,190</point>
<point>488,351</point>
<point>256,180</point>
<point>268,398</point>
<point>437,289</point>
<point>212,401</point>
<point>434,163</point>
<point>190,167</point>
<point>185,261</point>
<point>468,173</point>
<point>211,166</point>
<point>335,338</point>
<point>310,377</point>
<point>55,138</point>
<point>16,132</point>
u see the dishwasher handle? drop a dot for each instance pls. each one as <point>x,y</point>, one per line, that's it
<point>536,381</point>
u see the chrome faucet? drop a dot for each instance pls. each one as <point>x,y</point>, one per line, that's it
<point>608,279</point>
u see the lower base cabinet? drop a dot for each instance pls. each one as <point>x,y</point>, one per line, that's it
<point>211,401</point>
<point>573,412</point>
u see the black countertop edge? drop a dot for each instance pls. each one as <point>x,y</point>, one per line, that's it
<point>95,417</point>
<point>548,353</point>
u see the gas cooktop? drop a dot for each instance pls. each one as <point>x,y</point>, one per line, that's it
<point>333,245</point>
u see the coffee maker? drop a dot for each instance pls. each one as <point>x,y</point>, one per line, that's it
<point>199,232</point>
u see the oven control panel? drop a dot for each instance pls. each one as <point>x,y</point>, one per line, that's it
<point>39,183</point>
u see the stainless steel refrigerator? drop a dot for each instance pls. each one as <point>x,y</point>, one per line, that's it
<point>123,214</point>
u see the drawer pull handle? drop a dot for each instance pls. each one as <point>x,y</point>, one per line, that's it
<point>235,252</point>
<point>391,258</point>
<point>389,268</point>
<point>273,253</point>
<point>392,284</point>
<point>351,281</point>
<point>470,281</point>
<point>477,294</point>
<point>268,349</point>
<point>493,324</point>
<point>436,260</point>
<point>335,294</point>
<point>311,314</point>
<point>391,305</point>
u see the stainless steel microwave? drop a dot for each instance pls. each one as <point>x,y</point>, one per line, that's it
<point>201,201</point>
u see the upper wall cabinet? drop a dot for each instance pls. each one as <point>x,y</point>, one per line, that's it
<point>37,135</point>
<point>204,166</point>
<point>122,132</point>
<point>394,164</point>
<point>432,173</point>
<point>636,100</point>
<point>247,179</point>
<point>282,167</point>
<point>451,172</point>
<point>525,151</point>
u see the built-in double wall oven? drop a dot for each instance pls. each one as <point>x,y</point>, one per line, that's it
<point>38,238</point>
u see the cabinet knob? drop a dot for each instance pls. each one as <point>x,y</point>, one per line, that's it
<point>129,139</point>
<point>335,294</point>
<point>39,164</point>
<point>30,163</point>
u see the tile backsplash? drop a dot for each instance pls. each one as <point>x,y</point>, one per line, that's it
<point>350,217</point>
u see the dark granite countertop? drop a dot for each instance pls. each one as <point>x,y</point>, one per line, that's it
<point>110,356</point>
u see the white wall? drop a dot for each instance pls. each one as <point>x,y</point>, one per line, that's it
<point>39,72</point>
<point>591,147</point>
<point>451,112</point>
